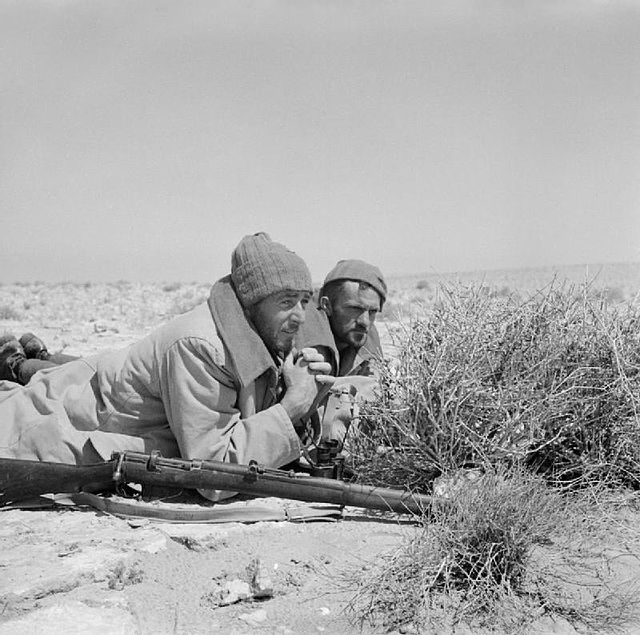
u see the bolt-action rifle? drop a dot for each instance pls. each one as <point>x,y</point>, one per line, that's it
<point>21,480</point>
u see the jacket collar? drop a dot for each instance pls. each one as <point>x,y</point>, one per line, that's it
<point>244,346</point>
<point>372,348</point>
<point>357,361</point>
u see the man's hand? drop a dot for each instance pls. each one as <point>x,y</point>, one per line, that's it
<point>303,378</point>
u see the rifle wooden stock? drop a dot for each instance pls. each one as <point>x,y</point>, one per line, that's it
<point>22,479</point>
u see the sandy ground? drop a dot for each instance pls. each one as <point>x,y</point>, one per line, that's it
<point>75,570</point>
<point>78,571</point>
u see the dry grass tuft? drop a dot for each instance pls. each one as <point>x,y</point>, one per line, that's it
<point>498,558</point>
<point>8,312</point>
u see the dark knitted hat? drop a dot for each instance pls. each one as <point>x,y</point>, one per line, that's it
<point>359,271</point>
<point>260,267</point>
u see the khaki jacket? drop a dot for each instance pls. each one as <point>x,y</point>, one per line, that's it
<point>201,386</point>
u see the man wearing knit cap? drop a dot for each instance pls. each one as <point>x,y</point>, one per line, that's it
<point>343,323</point>
<point>342,326</point>
<point>352,295</point>
<point>219,382</point>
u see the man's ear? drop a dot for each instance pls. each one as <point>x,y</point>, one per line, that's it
<point>325,305</point>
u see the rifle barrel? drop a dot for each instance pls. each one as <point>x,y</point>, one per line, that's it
<point>257,480</point>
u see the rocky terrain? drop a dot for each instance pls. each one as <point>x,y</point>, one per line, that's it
<point>74,570</point>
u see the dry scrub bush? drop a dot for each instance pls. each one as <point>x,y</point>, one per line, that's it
<point>532,391</point>
<point>133,305</point>
<point>551,382</point>
<point>187,299</point>
<point>501,556</point>
<point>8,312</point>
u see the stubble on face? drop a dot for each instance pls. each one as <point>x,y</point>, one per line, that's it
<point>277,319</point>
<point>352,314</point>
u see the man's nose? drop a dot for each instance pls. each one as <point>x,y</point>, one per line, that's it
<point>298,314</point>
<point>364,320</point>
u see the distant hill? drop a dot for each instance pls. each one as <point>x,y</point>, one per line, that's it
<point>621,280</point>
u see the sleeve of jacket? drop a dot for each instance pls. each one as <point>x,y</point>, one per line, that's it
<point>202,413</point>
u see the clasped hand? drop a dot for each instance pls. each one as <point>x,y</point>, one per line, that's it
<point>303,374</point>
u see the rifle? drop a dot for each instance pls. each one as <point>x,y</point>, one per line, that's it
<point>20,480</point>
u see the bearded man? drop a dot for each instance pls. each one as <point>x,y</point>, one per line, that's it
<point>220,382</point>
<point>342,327</point>
<point>351,297</point>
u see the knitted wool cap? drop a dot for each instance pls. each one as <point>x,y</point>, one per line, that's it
<point>260,267</point>
<point>359,271</point>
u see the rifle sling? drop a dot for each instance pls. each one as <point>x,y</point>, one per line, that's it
<point>227,513</point>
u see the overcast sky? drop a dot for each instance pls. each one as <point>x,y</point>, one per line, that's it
<point>141,140</point>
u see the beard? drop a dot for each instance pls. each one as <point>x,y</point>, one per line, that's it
<point>283,343</point>
<point>356,339</point>
<point>278,339</point>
